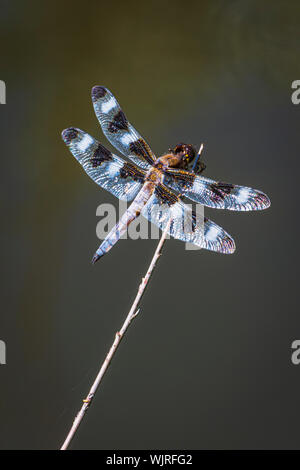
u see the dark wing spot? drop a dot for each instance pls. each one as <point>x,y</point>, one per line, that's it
<point>132,171</point>
<point>138,147</point>
<point>185,178</point>
<point>69,134</point>
<point>221,189</point>
<point>228,243</point>
<point>262,200</point>
<point>226,187</point>
<point>98,92</point>
<point>100,155</point>
<point>166,196</point>
<point>141,149</point>
<point>119,123</point>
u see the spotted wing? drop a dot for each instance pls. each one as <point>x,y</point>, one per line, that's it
<point>185,225</point>
<point>215,193</point>
<point>123,179</point>
<point>120,133</point>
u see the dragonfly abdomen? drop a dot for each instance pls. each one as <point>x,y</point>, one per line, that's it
<point>131,213</point>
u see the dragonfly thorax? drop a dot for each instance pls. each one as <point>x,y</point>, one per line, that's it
<point>154,175</point>
<point>179,157</point>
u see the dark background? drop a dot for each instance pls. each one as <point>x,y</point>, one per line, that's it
<point>207,363</point>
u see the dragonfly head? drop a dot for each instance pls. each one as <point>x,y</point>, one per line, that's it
<point>186,152</point>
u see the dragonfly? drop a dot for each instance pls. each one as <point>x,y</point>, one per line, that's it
<point>156,186</point>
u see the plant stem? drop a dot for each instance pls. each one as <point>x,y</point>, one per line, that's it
<point>119,335</point>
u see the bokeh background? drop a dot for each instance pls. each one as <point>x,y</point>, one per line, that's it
<point>207,363</point>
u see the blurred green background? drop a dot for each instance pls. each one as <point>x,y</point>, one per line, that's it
<point>207,362</point>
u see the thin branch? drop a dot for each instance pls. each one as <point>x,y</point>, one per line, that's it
<point>119,335</point>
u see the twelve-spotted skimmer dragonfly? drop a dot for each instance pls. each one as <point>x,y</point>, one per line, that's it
<point>153,182</point>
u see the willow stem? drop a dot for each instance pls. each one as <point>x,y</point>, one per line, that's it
<point>119,335</point>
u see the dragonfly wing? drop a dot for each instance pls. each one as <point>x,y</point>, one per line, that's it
<point>118,130</point>
<point>164,204</point>
<point>123,179</point>
<point>216,194</point>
